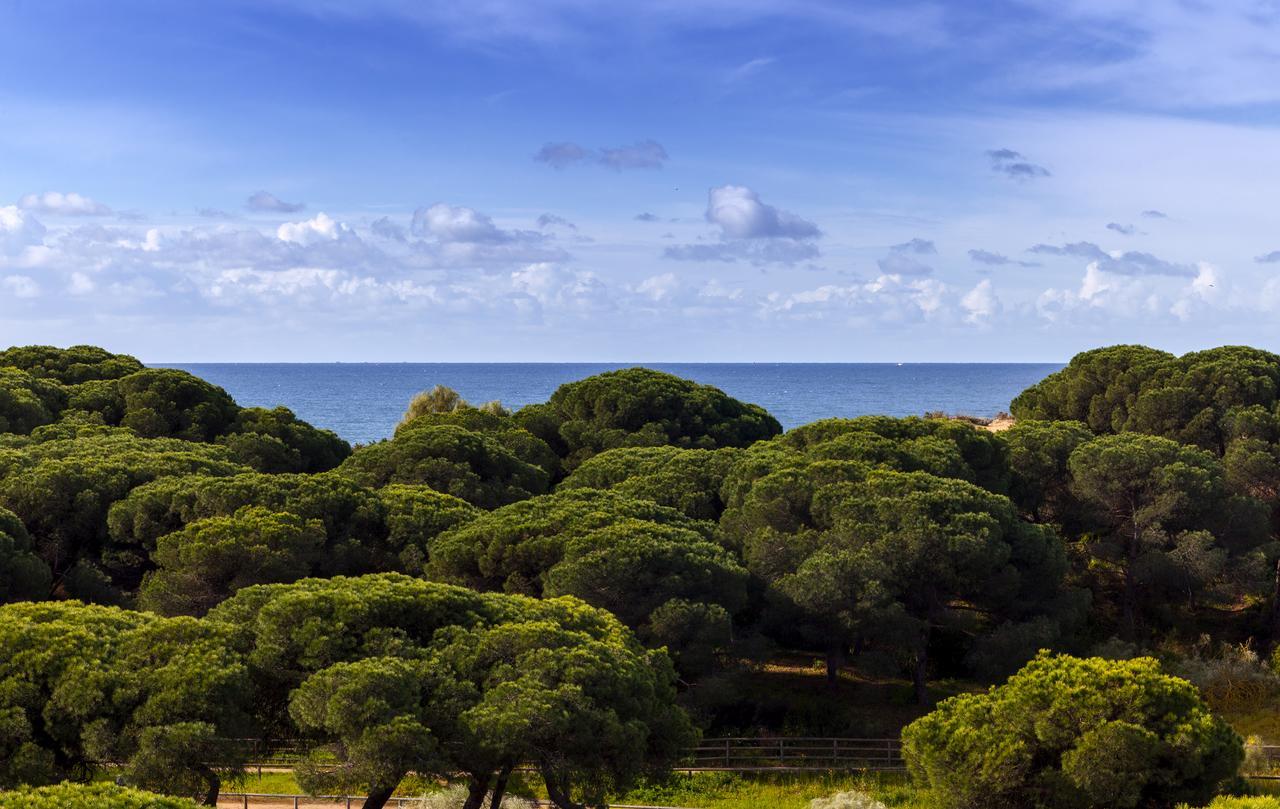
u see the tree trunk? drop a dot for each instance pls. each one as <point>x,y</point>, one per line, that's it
<point>1129,600</point>
<point>1275,604</point>
<point>378,797</point>
<point>920,677</point>
<point>558,792</point>
<point>476,790</point>
<point>215,786</point>
<point>500,788</point>
<point>835,660</point>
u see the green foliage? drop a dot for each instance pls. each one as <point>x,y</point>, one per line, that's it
<point>26,402</point>
<point>473,466</point>
<point>277,441</point>
<point>61,489</point>
<point>209,559</point>
<point>1038,454</point>
<point>495,423</point>
<point>159,403</point>
<point>685,479</point>
<point>942,447</point>
<point>89,796</point>
<point>388,667</point>
<point>1201,398</point>
<point>628,556</point>
<point>69,366</point>
<point>360,529</point>
<point>1066,732</point>
<point>23,575</point>
<point>867,555</point>
<point>82,685</point>
<point>640,407</point>
<point>440,399</point>
<point>1150,499</point>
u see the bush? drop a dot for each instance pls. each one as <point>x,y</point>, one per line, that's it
<point>1067,732</point>
<point>89,796</point>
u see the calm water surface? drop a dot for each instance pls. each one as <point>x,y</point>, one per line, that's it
<point>363,401</point>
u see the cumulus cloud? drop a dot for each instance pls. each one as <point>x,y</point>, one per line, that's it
<point>1123,230</point>
<point>551,220</point>
<point>56,203</point>
<point>551,285</point>
<point>921,247</point>
<point>20,286</point>
<point>270,203</point>
<point>1265,258</point>
<point>455,223</point>
<point>1015,165</point>
<point>647,217</point>
<point>18,230</point>
<point>740,214</point>
<point>750,230</point>
<point>887,299</point>
<point>1102,296</point>
<point>388,229</point>
<point>321,228</point>
<point>980,304</point>
<point>1154,214</point>
<point>994,259</point>
<point>644,154</point>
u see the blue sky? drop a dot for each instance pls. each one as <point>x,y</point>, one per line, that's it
<point>702,180</point>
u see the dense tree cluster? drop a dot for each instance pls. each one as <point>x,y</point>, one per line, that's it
<point>83,685</point>
<point>638,407</point>
<point>395,675</point>
<point>485,589</point>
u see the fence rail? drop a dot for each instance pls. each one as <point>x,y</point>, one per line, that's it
<point>250,800</point>
<point>759,754</point>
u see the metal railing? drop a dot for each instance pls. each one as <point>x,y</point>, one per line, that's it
<point>794,754</point>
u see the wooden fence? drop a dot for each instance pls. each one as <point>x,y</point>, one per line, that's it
<point>734,754</point>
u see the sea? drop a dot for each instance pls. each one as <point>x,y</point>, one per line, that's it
<point>362,402</point>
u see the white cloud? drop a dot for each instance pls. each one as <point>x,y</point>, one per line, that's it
<point>980,303</point>
<point>659,287</point>
<point>18,230</point>
<point>450,223</point>
<point>320,228</point>
<point>80,284</point>
<point>56,203</point>
<point>20,286</point>
<point>740,214</point>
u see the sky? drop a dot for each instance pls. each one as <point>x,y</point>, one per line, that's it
<point>673,180</point>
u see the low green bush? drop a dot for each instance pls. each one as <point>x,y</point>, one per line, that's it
<point>89,796</point>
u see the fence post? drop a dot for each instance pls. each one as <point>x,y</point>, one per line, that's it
<point>246,800</point>
<point>295,802</point>
<point>835,753</point>
<point>726,753</point>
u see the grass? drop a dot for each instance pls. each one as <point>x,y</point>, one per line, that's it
<point>776,791</point>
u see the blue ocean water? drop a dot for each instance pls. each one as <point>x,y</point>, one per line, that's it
<point>363,401</point>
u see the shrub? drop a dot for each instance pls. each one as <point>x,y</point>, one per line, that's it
<point>1067,732</point>
<point>89,796</point>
